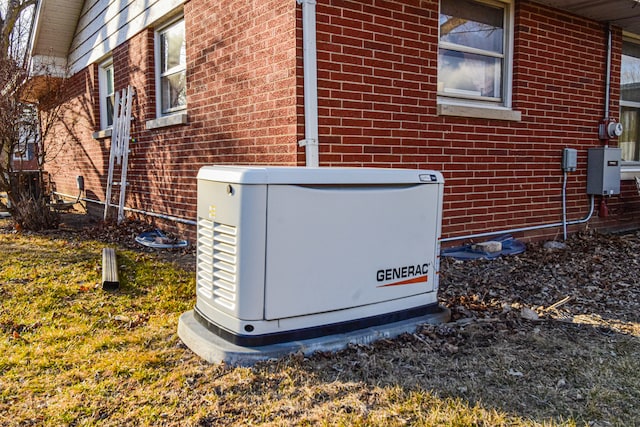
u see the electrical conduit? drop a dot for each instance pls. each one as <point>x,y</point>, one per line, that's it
<point>522,229</point>
<point>607,83</point>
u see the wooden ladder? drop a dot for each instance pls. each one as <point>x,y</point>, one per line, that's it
<point>120,136</point>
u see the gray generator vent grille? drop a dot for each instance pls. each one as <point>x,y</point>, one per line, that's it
<point>217,263</point>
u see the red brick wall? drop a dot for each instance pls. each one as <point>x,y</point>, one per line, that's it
<point>377,88</point>
<point>377,104</point>
<point>241,96</point>
<point>70,149</point>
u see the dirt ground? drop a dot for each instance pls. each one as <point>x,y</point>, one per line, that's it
<point>593,274</point>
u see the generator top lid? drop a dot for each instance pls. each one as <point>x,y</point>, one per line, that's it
<point>317,176</point>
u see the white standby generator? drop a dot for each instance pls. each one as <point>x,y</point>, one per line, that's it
<point>289,253</point>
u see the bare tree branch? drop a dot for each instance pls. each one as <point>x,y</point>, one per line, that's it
<point>15,8</point>
<point>21,127</point>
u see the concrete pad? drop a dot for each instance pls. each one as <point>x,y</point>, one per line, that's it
<point>214,349</point>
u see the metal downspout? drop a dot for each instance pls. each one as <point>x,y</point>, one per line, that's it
<point>310,141</point>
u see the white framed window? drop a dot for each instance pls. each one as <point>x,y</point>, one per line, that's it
<point>25,151</point>
<point>475,54</point>
<point>107,94</point>
<point>27,136</point>
<point>629,141</point>
<point>171,68</point>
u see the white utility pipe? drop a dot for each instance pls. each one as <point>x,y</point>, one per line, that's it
<point>531,228</point>
<point>310,141</point>
<point>139,211</point>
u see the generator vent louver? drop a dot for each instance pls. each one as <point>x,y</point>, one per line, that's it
<point>217,263</point>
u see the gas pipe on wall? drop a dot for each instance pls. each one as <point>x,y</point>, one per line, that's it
<point>603,210</point>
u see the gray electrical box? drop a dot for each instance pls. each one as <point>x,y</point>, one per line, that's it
<point>569,159</point>
<point>603,171</point>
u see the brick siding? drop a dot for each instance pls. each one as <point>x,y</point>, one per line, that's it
<point>377,107</point>
<point>377,85</point>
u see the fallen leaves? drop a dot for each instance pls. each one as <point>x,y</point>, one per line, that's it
<point>489,358</point>
<point>16,331</point>
<point>131,321</point>
<point>590,273</point>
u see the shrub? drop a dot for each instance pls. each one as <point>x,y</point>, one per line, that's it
<point>34,214</point>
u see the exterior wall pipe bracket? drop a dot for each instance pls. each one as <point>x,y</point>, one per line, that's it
<point>311,151</point>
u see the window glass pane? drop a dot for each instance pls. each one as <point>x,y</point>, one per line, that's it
<point>472,24</point>
<point>174,94</point>
<point>630,77</point>
<point>109,77</point>
<point>172,68</point>
<point>469,74</point>
<point>107,95</point>
<point>24,149</point>
<point>173,47</point>
<point>629,140</point>
<point>109,101</point>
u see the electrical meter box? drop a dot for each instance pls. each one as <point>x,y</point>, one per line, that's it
<point>603,171</point>
<point>288,253</point>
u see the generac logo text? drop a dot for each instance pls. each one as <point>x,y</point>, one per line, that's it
<point>403,272</point>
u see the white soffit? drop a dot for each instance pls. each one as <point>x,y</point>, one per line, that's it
<point>621,13</point>
<point>54,27</point>
<point>81,32</point>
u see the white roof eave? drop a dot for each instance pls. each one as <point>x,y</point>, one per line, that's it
<point>620,13</point>
<point>54,26</point>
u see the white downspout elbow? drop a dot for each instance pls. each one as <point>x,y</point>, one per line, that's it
<point>310,141</point>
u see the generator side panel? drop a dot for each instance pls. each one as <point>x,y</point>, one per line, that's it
<point>231,250</point>
<point>338,247</point>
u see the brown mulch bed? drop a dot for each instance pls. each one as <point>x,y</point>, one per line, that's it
<point>595,274</point>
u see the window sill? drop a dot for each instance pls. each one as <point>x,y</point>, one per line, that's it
<point>101,134</point>
<point>165,121</point>
<point>484,112</point>
<point>629,172</point>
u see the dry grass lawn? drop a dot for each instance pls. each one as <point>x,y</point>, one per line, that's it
<point>72,354</point>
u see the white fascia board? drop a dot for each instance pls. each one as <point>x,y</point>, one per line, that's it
<point>35,29</point>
